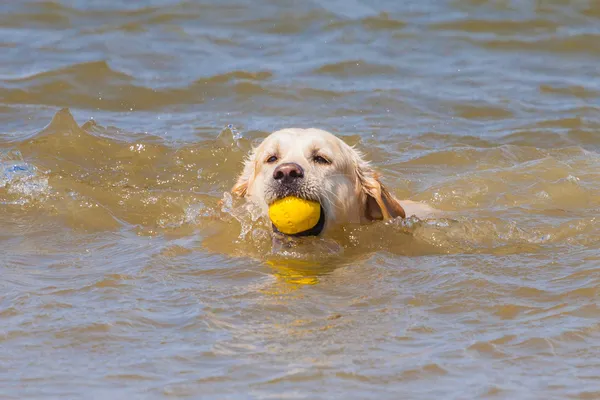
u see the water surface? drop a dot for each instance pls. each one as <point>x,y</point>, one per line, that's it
<point>129,272</point>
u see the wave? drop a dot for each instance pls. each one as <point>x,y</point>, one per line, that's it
<point>103,178</point>
<point>96,85</point>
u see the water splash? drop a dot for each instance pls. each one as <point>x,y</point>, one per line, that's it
<point>247,214</point>
<point>20,179</point>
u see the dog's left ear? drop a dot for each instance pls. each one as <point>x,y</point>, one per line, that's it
<point>244,181</point>
<point>379,203</point>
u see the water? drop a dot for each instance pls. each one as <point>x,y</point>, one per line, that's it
<point>129,272</point>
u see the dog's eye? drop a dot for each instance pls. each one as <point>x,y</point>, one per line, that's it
<point>272,159</point>
<point>321,160</point>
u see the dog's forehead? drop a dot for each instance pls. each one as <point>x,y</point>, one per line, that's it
<point>298,139</point>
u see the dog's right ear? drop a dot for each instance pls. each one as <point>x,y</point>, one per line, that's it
<point>246,178</point>
<point>379,203</point>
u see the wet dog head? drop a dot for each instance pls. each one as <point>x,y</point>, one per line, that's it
<point>315,165</point>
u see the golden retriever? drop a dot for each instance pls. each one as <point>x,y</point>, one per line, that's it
<point>316,165</point>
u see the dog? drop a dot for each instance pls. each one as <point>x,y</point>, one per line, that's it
<point>314,164</point>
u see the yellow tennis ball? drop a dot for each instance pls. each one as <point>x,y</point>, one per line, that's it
<point>293,215</point>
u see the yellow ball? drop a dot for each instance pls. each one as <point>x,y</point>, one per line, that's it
<point>293,215</point>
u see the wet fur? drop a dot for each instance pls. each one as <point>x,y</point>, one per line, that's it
<point>349,189</point>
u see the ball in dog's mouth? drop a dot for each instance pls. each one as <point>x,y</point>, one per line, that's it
<point>295,216</point>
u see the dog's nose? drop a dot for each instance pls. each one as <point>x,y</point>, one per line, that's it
<point>287,172</point>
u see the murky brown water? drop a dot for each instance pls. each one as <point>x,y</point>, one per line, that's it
<point>127,272</point>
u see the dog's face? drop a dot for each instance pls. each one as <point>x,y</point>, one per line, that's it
<point>315,165</point>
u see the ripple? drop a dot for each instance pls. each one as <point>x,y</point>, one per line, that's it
<point>355,68</point>
<point>571,90</point>
<point>369,22</point>
<point>500,27</point>
<point>96,85</point>
<point>482,112</point>
<point>235,76</point>
<point>42,14</point>
<point>486,349</point>
<point>585,44</point>
<point>90,71</point>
